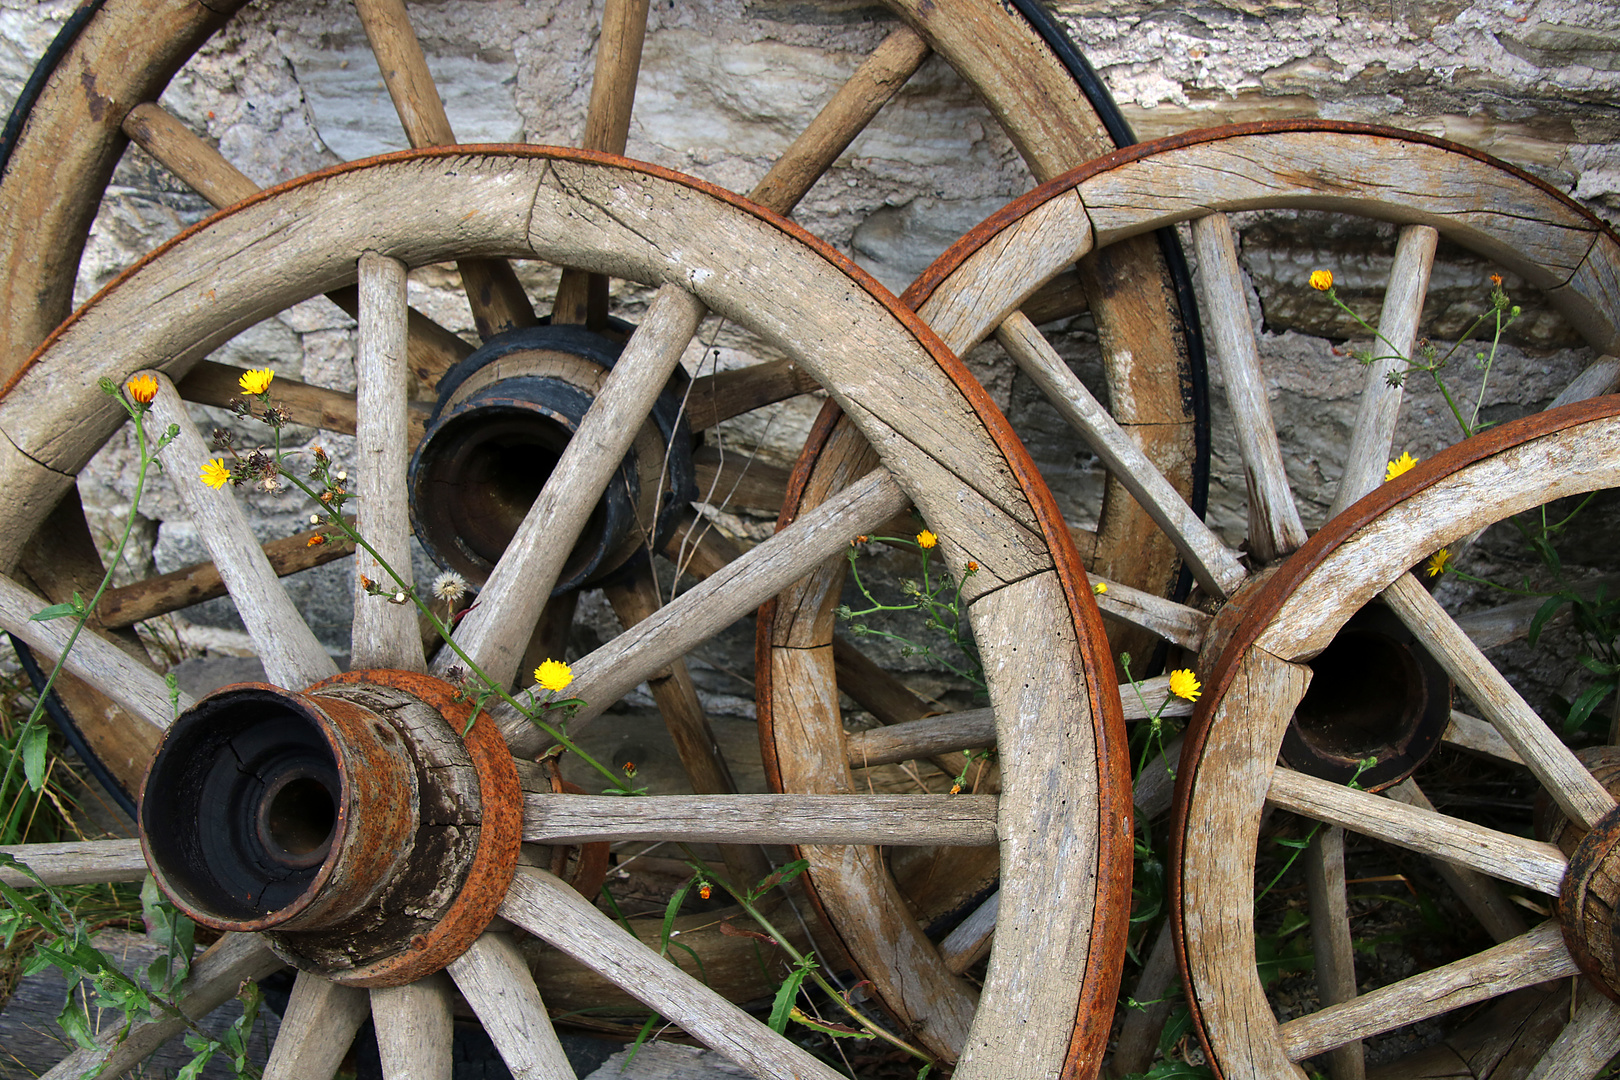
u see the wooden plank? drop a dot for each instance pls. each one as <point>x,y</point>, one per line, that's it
<point>1498,915</point>
<point>198,165</point>
<point>1576,791</point>
<point>385,634</point>
<point>1215,566</point>
<point>494,633</point>
<point>1274,525</point>
<point>1535,957</point>
<point>1330,941</point>
<point>725,394</point>
<point>215,978</point>
<point>1372,435</point>
<point>1475,203</point>
<point>134,686</point>
<point>1586,1044</point>
<point>78,862</point>
<point>549,909</point>
<point>1233,773</point>
<point>1178,623</point>
<point>317,1029</point>
<point>905,820</point>
<point>495,980</point>
<point>415,1029</point>
<point>996,280</point>
<point>846,114</point>
<point>292,657</point>
<point>1531,863</point>
<point>611,671</point>
<point>164,593</point>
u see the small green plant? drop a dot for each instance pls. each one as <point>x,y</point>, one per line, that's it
<point>936,595</point>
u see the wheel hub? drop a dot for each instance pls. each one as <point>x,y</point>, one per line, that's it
<point>351,824</point>
<point>1375,692</point>
<point>1590,898</point>
<point>504,416</point>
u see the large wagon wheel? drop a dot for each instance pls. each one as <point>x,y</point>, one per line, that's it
<point>945,448</point>
<point>1229,772</point>
<point>102,86</point>
<point>978,287</point>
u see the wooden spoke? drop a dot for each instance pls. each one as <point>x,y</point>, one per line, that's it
<point>1380,404</point>
<point>1531,863</point>
<point>845,116</point>
<point>1495,913</point>
<point>1330,941</point>
<point>1274,525</point>
<point>137,688</point>
<point>1472,733</point>
<point>317,1029</point>
<point>1177,623</point>
<point>81,862</point>
<point>1490,627</point>
<point>1575,790</point>
<point>311,406</point>
<point>1213,564</point>
<point>292,657</point>
<point>494,633</point>
<point>552,911</point>
<point>964,820</point>
<point>614,669</point>
<point>1601,376</point>
<point>583,298</point>
<point>1139,1035</point>
<point>199,165</point>
<point>1586,1046</point>
<point>696,548</point>
<point>130,604</point>
<point>725,394</point>
<point>1534,957</point>
<point>971,729</point>
<point>385,634</point>
<point>215,978</point>
<point>1156,783</point>
<point>414,1029</point>
<point>734,480</point>
<point>495,980</point>
<point>970,941</point>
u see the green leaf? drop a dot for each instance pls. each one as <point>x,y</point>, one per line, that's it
<point>33,754</point>
<point>1546,611</point>
<point>786,995</point>
<point>197,1064</point>
<point>1175,1029</point>
<point>75,1024</point>
<point>1597,667</point>
<point>1582,707</point>
<point>55,611</point>
<point>780,876</point>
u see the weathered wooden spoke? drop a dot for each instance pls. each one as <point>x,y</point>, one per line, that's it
<point>943,452</point>
<point>1229,771</point>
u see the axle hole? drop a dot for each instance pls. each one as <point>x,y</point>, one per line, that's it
<point>296,821</point>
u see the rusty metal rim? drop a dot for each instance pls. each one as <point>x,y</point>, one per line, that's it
<point>1270,595</point>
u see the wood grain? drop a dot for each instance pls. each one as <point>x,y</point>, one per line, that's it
<point>384,634</point>
<point>78,862</point>
<point>415,1029</point>
<point>291,655</point>
<point>495,980</point>
<point>1500,918</point>
<point>1331,943</point>
<point>193,161</point>
<point>317,1029</point>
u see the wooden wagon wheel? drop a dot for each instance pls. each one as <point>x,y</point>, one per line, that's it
<point>103,87</point>
<point>1229,770</point>
<point>949,453</point>
<point>979,286</point>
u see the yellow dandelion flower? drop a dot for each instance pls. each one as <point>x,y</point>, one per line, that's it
<point>256,380</point>
<point>1184,684</point>
<point>1439,562</point>
<point>1321,280</point>
<point>142,389</point>
<point>1400,465</point>
<point>554,675</point>
<point>926,539</point>
<point>1098,588</point>
<point>215,474</point>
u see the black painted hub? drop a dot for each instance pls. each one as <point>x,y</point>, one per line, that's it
<point>1375,692</point>
<point>504,416</point>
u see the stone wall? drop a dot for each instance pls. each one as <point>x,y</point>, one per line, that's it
<point>290,86</point>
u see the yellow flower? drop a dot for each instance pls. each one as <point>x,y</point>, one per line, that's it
<point>1321,280</point>
<point>1439,562</point>
<point>926,539</point>
<point>256,380</point>
<point>1098,588</point>
<point>1400,465</point>
<point>142,389</point>
<point>1184,684</point>
<point>554,675</point>
<point>215,474</point>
